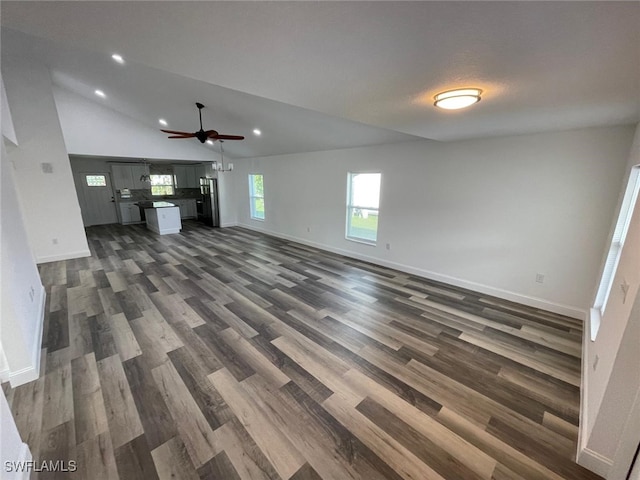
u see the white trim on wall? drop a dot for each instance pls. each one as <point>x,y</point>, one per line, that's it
<point>623,460</point>
<point>568,310</point>
<point>32,372</point>
<point>65,256</point>
<point>595,462</point>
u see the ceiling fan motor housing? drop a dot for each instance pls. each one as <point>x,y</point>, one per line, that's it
<point>202,136</point>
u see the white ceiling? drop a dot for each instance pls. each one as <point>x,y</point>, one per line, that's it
<point>322,75</point>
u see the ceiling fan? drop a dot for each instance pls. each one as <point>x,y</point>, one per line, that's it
<point>201,134</point>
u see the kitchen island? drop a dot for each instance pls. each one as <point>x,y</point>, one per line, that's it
<point>161,217</point>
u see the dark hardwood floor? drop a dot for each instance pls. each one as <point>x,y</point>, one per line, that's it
<point>226,354</point>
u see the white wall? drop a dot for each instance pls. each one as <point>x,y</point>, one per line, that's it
<point>608,432</point>
<point>227,198</point>
<point>22,296</point>
<point>91,129</point>
<point>485,214</point>
<point>12,447</point>
<point>8,131</point>
<point>52,214</point>
<point>611,383</point>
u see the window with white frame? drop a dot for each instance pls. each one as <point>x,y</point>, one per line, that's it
<point>96,180</point>
<point>617,242</point>
<point>363,202</point>
<point>256,195</point>
<point>161,184</point>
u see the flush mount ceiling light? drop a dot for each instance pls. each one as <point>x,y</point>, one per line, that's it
<point>257,132</point>
<point>455,99</point>
<point>100,93</point>
<point>163,122</point>
<point>117,58</point>
<point>210,142</point>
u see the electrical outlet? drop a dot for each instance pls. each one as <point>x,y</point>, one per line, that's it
<point>539,278</point>
<point>388,246</point>
<point>308,229</point>
<point>595,362</point>
<point>54,241</point>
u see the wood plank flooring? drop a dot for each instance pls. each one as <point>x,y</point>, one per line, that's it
<point>226,354</point>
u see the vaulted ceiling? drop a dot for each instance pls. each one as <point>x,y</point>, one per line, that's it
<point>323,75</point>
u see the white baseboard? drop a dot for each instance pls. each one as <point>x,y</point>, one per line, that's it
<point>4,375</point>
<point>568,310</point>
<point>32,372</point>
<point>594,461</point>
<point>63,256</point>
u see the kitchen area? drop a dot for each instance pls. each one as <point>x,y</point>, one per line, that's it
<point>160,195</point>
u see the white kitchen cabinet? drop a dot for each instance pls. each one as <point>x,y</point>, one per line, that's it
<point>128,176</point>
<point>187,207</point>
<point>163,220</point>
<point>129,213</point>
<point>180,176</point>
<point>200,172</point>
<point>189,210</point>
<point>186,176</point>
<point>122,177</point>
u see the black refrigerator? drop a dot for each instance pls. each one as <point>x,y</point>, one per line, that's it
<point>208,211</point>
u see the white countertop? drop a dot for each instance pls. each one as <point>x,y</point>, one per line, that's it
<point>158,205</point>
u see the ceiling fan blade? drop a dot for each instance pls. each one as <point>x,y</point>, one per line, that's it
<point>228,137</point>
<point>191,135</point>
<point>176,132</point>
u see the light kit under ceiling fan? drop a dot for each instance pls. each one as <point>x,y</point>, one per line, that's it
<point>202,135</point>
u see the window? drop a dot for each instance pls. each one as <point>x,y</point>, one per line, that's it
<point>96,180</point>
<point>256,196</point>
<point>363,200</point>
<point>615,249</point>
<point>161,184</point>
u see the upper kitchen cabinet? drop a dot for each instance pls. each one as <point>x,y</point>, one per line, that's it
<point>187,176</point>
<point>128,176</point>
<point>201,171</point>
<point>122,176</point>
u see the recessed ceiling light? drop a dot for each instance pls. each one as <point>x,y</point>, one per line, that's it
<point>257,132</point>
<point>100,93</point>
<point>163,122</point>
<point>455,99</point>
<point>117,58</point>
<point>210,142</point>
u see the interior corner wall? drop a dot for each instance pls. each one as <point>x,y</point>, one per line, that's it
<point>42,171</point>
<point>486,214</point>
<point>622,388</point>
<point>609,381</point>
<point>22,296</point>
<point>8,131</point>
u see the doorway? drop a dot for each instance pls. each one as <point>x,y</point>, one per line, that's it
<point>97,202</point>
